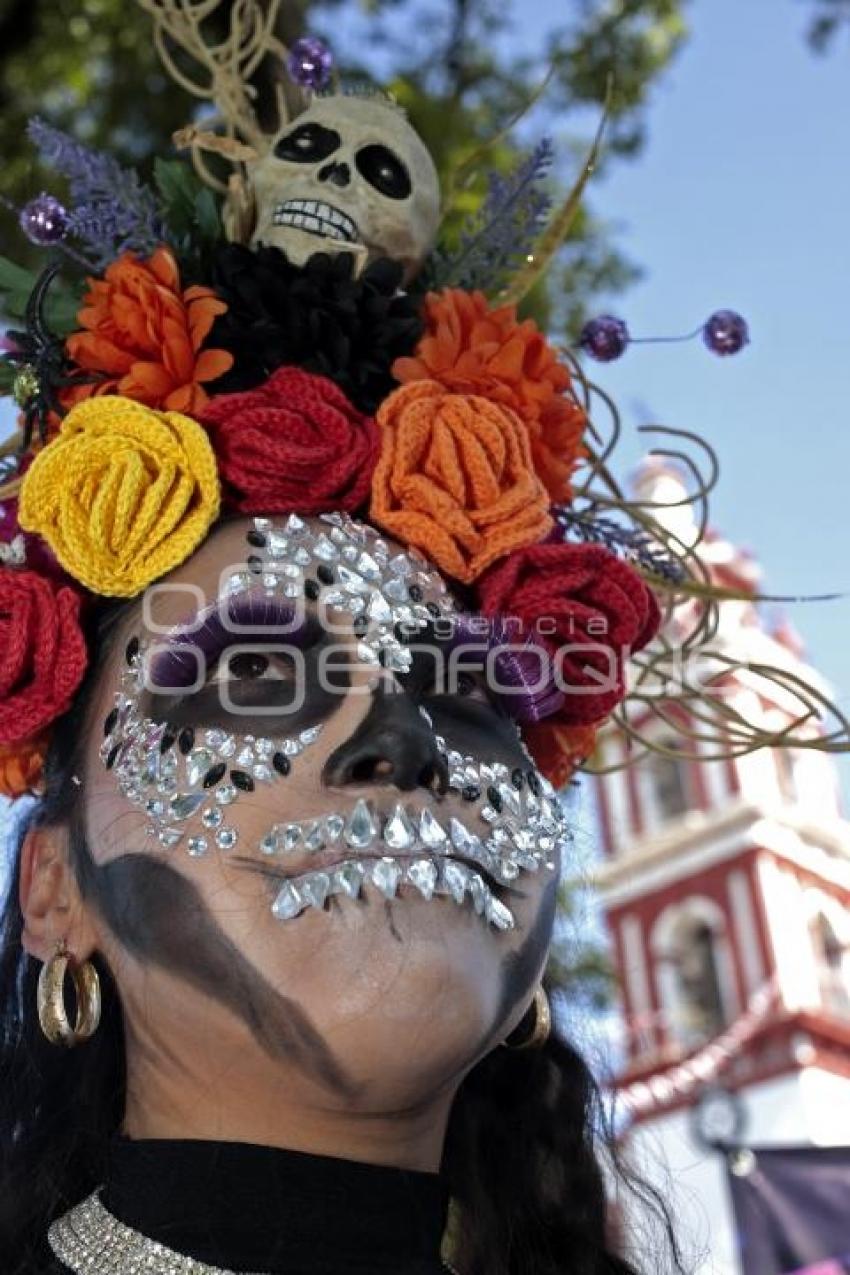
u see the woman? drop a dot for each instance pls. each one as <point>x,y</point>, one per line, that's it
<point>275,1087</point>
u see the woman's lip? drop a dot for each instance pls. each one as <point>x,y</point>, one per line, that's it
<point>323,863</point>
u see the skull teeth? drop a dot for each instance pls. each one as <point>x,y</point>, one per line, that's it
<point>389,875</point>
<point>316,218</point>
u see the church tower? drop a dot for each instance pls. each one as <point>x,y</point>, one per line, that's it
<point>726,890</point>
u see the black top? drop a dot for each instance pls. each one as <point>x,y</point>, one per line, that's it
<point>251,1208</point>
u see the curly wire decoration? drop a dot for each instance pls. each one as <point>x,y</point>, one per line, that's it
<point>227,65</point>
<point>663,694</point>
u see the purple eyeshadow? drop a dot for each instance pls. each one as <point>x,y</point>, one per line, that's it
<point>525,691</point>
<point>242,620</point>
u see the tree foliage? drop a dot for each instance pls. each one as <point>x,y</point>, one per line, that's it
<point>463,68</point>
<point>828,19</point>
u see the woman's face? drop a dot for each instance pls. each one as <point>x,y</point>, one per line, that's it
<point>315,837</point>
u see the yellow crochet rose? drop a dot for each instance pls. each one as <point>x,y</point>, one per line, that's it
<point>123,494</point>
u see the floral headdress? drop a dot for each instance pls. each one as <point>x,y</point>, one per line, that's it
<point>216,362</point>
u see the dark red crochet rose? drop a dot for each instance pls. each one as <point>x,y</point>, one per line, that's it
<point>42,653</point>
<point>583,602</point>
<point>293,445</point>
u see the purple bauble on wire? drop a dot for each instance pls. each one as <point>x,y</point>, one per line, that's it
<point>311,63</point>
<point>44,220</point>
<point>605,339</point>
<point>726,332</point>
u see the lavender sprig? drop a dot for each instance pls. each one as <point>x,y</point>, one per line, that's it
<point>505,228</point>
<point>632,543</point>
<point>113,211</point>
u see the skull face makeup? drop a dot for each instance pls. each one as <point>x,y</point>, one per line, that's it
<point>479,824</point>
<point>349,175</point>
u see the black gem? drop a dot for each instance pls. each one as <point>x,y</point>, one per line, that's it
<point>213,775</point>
<point>518,779</point>
<point>281,763</point>
<point>167,740</point>
<point>312,589</point>
<point>494,799</point>
<point>415,593</point>
<point>433,610</point>
<point>470,792</point>
<point>132,649</point>
<point>241,780</point>
<point>257,539</point>
<point>534,782</point>
<point>325,574</point>
<point>360,626</point>
<point>113,753</point>
<point>255,564</point>
<point>111,721</point>
<point>186,742</point>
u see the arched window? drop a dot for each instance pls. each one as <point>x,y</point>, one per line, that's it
<point>831,954</point>
<point>670,782</point>
<point>694,958</point>
<point>695,971</point>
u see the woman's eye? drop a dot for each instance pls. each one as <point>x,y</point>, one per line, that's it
<point>248,666</point>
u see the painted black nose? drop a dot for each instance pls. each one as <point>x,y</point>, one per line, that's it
<point>338,173</point>
<point>392,745</point>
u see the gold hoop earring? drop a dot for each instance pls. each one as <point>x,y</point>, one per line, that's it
<point>51,999</point>
<point>542,1028</point>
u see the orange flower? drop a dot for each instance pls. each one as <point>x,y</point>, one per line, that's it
<point>558,751</point>
<point>472,349</point>
<point>145,335</point>
<point>455,479</point>
<point>22,765</point>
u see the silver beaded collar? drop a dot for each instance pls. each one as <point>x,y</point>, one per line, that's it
<point>90,1241</point>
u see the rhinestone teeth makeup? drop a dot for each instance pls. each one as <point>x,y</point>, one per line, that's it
<point>404,847</point>
<point>349,567</point>
<point>188,778</point>
<point>428,877</point>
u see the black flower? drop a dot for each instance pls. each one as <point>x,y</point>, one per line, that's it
<point>317,317</point>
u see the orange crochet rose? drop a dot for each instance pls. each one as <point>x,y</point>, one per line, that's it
<point>22,766</point>
<point>472,349</point>
<point>145,333</point>
<point>455,478</point>
<point>558,751</point>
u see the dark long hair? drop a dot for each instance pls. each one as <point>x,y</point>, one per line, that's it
<point>526,1136</point>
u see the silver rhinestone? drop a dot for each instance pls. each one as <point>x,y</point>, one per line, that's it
<point>399,832</point>
<point>169,836</point>
<point>277,544</point>
<point>226,838</point>
<point>225,794</point>
<point>269,843</point>
<point>430,831</point>
<point>197,846</point>
<point>291,837</point>
<point>197,764</point>
<point>361,828</point>
<point>386,874</point>
<point>212,817</point>
<point>325,550</point>
<point>455,877</point>
<point>423,874</point>
<point>310,735</point>
<point>185,805</point>
<point>288,903</point>
<point>314,889</point>
<point>313,837</point>
<point>497,914</point>
<point>347,879</point>
<point>294,526</point>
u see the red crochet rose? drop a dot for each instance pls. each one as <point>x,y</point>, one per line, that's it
<point>42,653</point>
<point>293,445</point>
<point>584,604</point>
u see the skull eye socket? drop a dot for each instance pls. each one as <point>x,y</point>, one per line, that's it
<point>308,143</point>
<point>385,171</point>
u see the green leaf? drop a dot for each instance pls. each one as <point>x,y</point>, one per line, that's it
<point>189,208</point>
<point>16,285</point>
<point>62,305</point>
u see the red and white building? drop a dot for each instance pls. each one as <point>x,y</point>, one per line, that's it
<point>726,890</point>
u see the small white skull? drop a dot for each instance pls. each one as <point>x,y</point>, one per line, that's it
<point>351,175</point>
